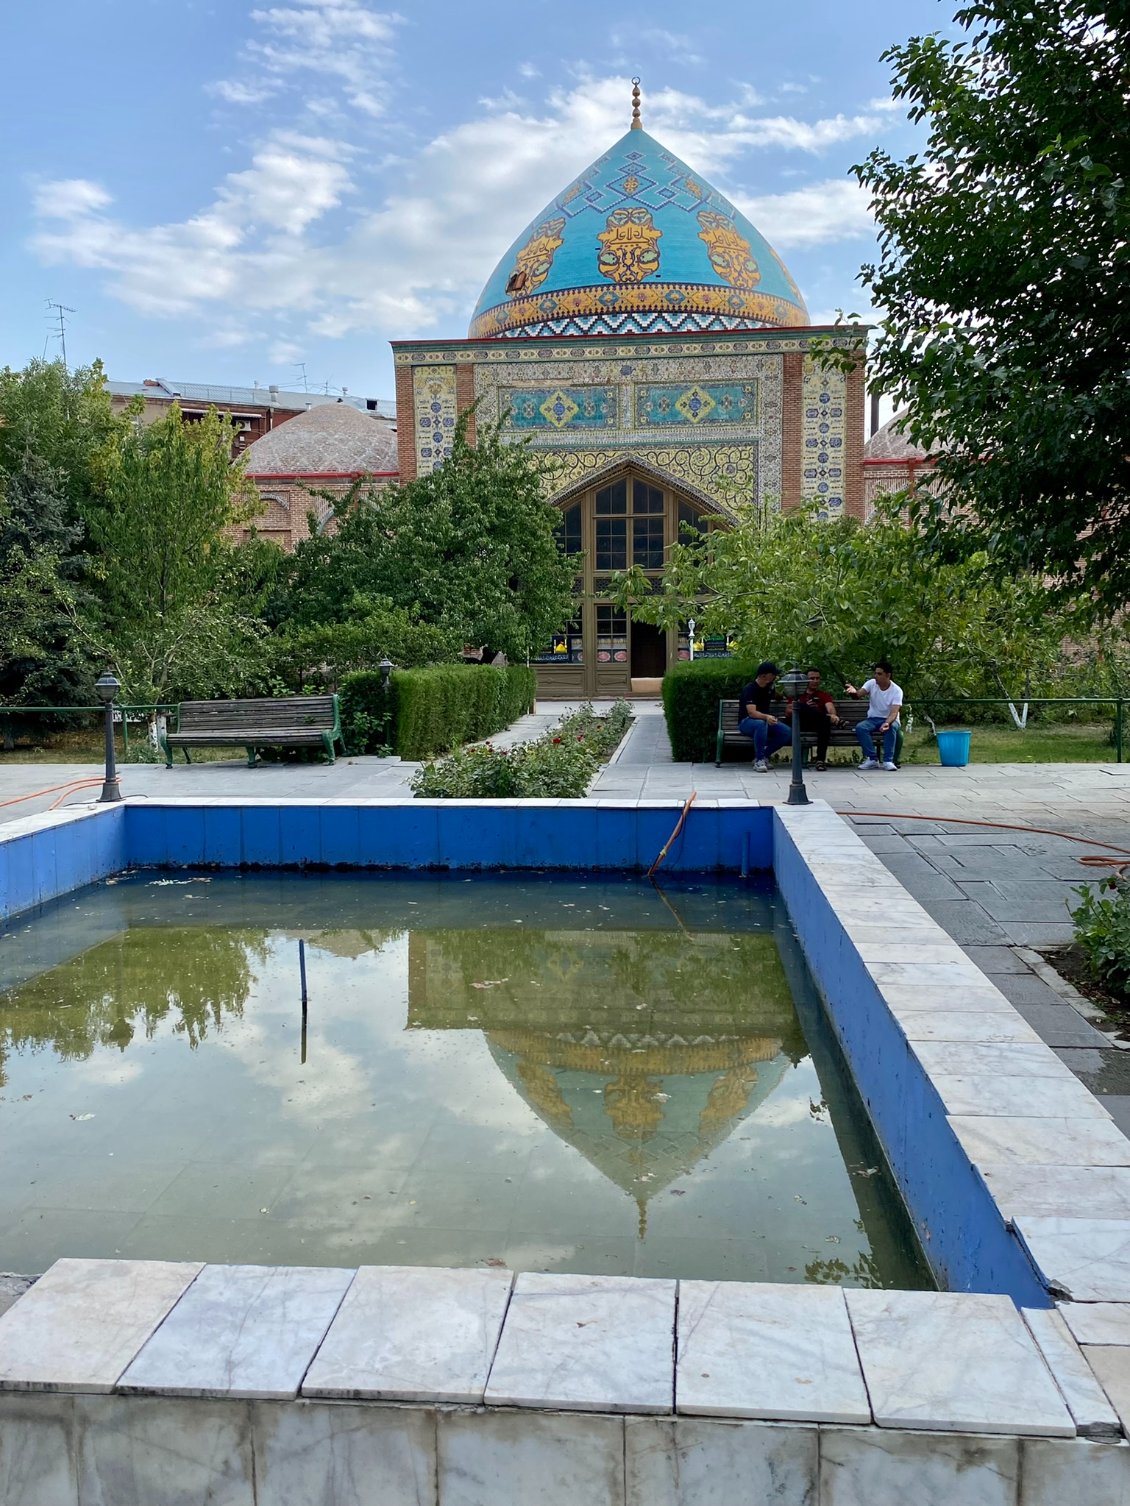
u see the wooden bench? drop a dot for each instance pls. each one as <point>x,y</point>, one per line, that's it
<point>299,721</point>
<point>850,712</point>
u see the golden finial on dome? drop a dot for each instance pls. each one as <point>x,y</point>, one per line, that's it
<point>637,123</point>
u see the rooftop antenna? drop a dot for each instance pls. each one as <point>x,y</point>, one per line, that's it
<point>60,315</point>
<point>637,123</point>
<point>301,366</point>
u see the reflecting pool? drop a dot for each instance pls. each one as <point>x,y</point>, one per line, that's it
<point>547,1073</point>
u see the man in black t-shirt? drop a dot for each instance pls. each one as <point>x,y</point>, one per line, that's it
<point>757,721</point>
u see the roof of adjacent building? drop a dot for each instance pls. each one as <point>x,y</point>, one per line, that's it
<point>252,397</point>
<point>639,243</point>
<point>890,443</point>
<point>329,440</point>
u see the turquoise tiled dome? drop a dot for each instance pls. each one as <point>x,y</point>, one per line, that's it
<point>638,244</point>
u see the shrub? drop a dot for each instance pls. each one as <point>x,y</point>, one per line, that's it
<point>559,765</point>
<point>428,711</point>
<point>1102,929</point>
<point>691,693</point>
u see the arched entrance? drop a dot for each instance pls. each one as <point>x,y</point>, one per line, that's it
<point>629,517</point>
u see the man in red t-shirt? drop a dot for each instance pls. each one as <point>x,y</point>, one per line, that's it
<point>818,715</point>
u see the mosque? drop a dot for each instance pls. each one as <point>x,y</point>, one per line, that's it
<point>643,334</point>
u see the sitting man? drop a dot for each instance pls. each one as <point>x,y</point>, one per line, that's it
<point>817,715</point>
<point>883,707</point>
<point>755,719</point>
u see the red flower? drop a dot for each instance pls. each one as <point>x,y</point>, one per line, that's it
<point>556,739</point>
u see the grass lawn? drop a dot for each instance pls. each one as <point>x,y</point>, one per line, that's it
<point>1069,742</point>
<point>88,746</point>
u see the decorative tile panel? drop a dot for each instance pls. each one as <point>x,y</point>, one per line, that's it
<point>557,408</point>
<point>664,403</point>
<point>823,431</point>
<point>434,414</point>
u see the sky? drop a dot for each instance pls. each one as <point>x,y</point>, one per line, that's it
<point>225,191</point>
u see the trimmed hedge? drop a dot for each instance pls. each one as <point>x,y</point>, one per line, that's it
<point>428,711</point>
<point>691,693</point>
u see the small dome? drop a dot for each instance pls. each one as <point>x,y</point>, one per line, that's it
<point>891,442</point>
<point>332,439</point>
<point>638,244</point>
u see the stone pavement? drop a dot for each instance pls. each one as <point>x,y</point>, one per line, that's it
<point>1000,894</point>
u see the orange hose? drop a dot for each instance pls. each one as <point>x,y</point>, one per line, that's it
<point>71,784</point>
<point>79,784</point>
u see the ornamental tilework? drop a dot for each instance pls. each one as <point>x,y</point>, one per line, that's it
<point>711,419</point>
<point>556,408</point>
<point>823,431</point>
<point>667,403</point>
<point>434,417</point>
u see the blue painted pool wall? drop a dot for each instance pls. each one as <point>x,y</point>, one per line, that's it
<point>964,1238</point>
<point>451,834</point>
<point>42,857</point>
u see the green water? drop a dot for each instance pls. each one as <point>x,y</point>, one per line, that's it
<point>549,1074</point>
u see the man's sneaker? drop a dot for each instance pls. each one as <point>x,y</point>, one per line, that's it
<point>761,765</point>
<point>891,766</point>
<point>869,763</point>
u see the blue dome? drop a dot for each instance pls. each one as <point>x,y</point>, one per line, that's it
<point>638,244</point>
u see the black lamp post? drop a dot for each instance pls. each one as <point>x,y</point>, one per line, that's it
<point>107,687</point>
<point>794,684</point>
<point>385,667</point>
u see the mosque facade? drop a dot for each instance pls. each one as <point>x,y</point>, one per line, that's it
<point>644,336</point>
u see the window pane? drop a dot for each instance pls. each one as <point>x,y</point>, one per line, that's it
<point>611,543</point>
<point>646,498</point>
<point>612,499</point>
<point>689,515</point>
<point>647,547</point>
<point>568,530</point>
<point>565,647</point>
<point>611,636</point>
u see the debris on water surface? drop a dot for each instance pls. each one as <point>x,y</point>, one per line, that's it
<point>79,1117</point>
<point>490,983</point>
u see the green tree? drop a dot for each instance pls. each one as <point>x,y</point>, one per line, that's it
<point>1004,271</point>
<point>58,420</point>
<point>175,614</point>
<point>468,549</point>
<point>840,595</point>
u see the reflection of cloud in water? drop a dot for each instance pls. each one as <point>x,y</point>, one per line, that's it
<point>108,1070</point>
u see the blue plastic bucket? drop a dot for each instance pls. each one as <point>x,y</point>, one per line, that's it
<point>953,748</point>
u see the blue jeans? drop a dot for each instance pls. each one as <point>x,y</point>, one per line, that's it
<point>767,738</point>
<point>865,731</point>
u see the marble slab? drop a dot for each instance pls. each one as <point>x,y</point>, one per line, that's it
<point>906,998</point>
<point>953,1362</point>
<point>1086,1259</point>
<point>958,974</point>
<point>1019,1097</point>
<point>873,1467</point>
<point>769,1351</point>
<point>1041,1142</point>
<point>962,1059</point>
<point>163,1451</point>
<point>987,1026</point>
<point>1097,1322</point>
<point>1111,1365</point>
<point>412,1333</point>
<point>240,1330</point>
<point>1086,1400</point>
<point>587,1343</point>
<point>530,1459</point>
<point>82,1322</point>
<point>1074,1472</point>
<point>1059,1191</point>
<point>701,1461</point>
<point>340,1454</point>
<point>37,1454</point>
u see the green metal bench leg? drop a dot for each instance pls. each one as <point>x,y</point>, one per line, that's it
<point>252,756</point>
<point>186,757</point>
<point>328,745</point>
<point>168,752</point>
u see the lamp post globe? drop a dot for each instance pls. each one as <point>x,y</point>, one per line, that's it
<point>794,684</point>
<point>107,686</point>
<point>385,667</point>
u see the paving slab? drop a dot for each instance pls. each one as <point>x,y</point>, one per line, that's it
<point>1060,1025</point>
<point>1086,1400</point>
<point>1086,1259</point>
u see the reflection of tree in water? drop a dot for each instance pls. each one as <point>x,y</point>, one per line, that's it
<point>863,1271</point>
<point>129,984</point>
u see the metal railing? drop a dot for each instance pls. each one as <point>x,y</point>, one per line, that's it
<point>1116,704</point>
<point>124,713</point>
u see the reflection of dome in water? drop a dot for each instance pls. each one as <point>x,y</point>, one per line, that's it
<point>642,1117</point>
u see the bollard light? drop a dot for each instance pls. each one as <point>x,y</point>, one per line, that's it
<point>794,684</point>
<point>690,636</point>
<point>107,686</point>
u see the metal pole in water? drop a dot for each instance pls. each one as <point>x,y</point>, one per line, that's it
<point>302,976</point>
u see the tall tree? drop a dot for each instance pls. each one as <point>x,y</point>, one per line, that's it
<point>1004,271</point>
<point>468,549</point>
<point>59,419</point>
<point>173,619</point>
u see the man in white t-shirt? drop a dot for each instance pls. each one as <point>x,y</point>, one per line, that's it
<point>883,707</point>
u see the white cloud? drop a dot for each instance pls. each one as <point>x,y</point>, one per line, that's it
<point>69,197</point>
<point>345,42</point>
<point>817,214</point>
